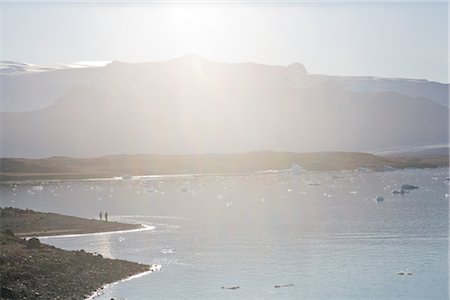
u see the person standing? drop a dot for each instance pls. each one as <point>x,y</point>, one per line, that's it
<point>106,216</point>
<point>100,215</point>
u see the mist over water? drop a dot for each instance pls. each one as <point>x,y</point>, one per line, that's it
<point>323,232</point>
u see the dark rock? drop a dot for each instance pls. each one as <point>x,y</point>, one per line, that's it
<point>8,294</point>
<point>33,243</point>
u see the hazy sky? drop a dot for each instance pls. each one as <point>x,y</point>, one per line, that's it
<point>382,39</point>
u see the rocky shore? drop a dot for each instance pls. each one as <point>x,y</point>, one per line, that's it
<point>31,223</point>
<point>32,270</point>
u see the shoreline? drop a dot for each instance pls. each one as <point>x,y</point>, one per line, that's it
<point>34,270</point>
<point>75,235</point>
<point>29,223</point>
<point>100,291</point>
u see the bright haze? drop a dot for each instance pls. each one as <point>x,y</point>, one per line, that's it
<point>407,40</point>
<point>253,84</point>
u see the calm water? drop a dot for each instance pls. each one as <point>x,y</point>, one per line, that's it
<point>322,232</point>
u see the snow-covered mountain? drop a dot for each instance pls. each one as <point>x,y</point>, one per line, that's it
<point>192,105</point>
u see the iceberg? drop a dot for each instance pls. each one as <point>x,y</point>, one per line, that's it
<point>296,169</point>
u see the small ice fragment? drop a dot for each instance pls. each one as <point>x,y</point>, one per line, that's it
<point>155,267</point>
<point>399,192</point>
<point>230,287</point>
<point>167,251</point>
<point>283,285</point>
<point>409,187</point>
<point>379,198</point>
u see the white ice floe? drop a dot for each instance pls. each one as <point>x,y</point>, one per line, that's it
<point>168,251</point>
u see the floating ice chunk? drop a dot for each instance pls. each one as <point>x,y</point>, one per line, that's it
<point>38,188</point>
<point>289,190</point>
<point>283,285</point>
<point>379,198</point>
<point>388,168</point>
<point>399,192</point>
<point>155,267</point>
<point>401,273</point>
<point>313,183</point>
<point>296,169</point>
<point>230,287</point>
<point>228,204</point>
<point>168,251</point>
<point>362,170</point>
<point>220,196</point>
<point>409,187</point>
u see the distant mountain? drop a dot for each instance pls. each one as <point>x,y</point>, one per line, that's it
<point>27,87</point>
<point>192,105</point>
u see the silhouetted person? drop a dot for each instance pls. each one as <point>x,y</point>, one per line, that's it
<point>106,216</point>
<point>100,215</point>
